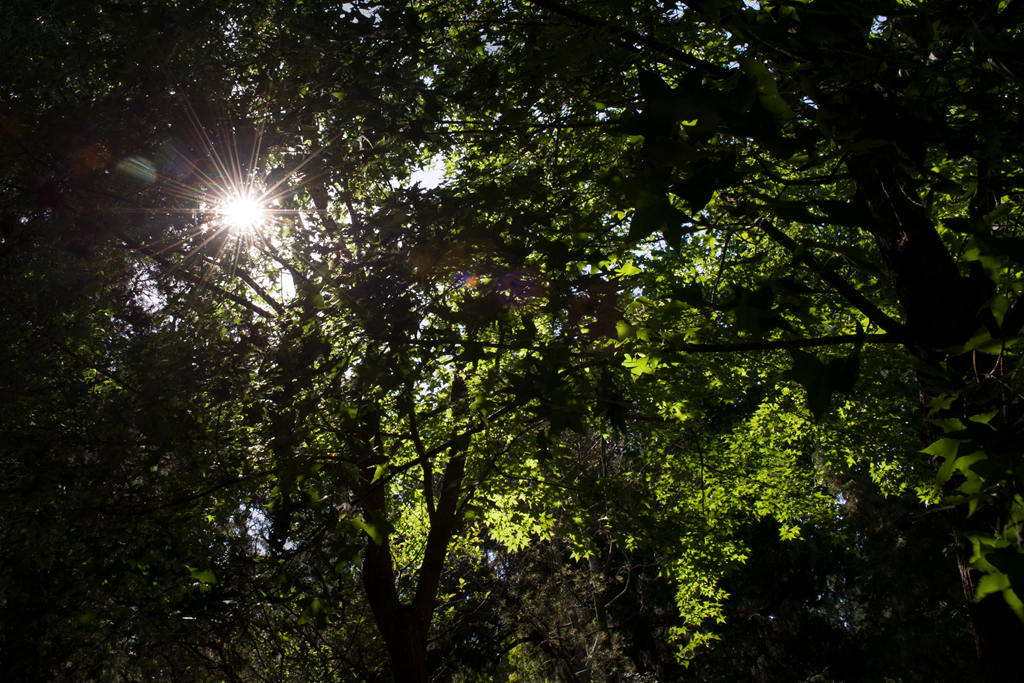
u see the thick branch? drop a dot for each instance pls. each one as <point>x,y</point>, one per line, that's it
<point>442,527</point>
<point>318,191</point>
<point>424,459</point>
<point>780,344</point>
<point>268,250</point>
<point>848,291</point>
<point>940,305</point>
<point>479,427</point>
<point>631,40</point>
<point>261,292</point>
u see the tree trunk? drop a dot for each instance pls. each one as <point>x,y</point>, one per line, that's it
<point>404,634</point>
<point>939,304</point>
<point>406,627</point>
<point>998,633</point>
<point>941,309</point>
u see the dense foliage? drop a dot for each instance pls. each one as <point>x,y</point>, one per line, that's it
<point>575,341</point>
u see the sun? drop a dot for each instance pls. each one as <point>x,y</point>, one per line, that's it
<point>242,212</point>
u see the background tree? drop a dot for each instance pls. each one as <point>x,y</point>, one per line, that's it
<point>835,147</point>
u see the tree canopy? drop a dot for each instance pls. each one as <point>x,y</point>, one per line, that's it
<point>558,340</point>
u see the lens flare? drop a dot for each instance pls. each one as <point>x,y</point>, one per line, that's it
<point>242,212</point>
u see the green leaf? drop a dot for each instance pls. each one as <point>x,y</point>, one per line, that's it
<point>203,576</point>
<point>945,450</point>
<point>314,610</point>
<point>627,269</point>
<point>983,418</point>
<point>1009,561</point>
<point>374,531</point>
<point>991,583</point>
<point>939,403</point>
<point>822,380</point>
<point>768,90</point>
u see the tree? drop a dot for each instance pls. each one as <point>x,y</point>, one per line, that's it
<point>824,168</point>
<point>345,388</point>
<point>380,394</point>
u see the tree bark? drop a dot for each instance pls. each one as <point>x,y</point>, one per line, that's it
<point>406,627</point>
<point>940,305</point>
<point>941,308</point>
<point>998,633</point>
<point>405,636</point>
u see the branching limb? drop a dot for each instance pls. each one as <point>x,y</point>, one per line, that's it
<point>191,278</point>
<point>261,292</point>
<point>848,292</point>
<point>781,344</point>
<point>631,40</point>
<point>422,457</point>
